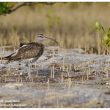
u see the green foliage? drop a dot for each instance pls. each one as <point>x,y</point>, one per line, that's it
<point>106,34</point>
<point>4,8</point>
<point>99,27</point>
<point>106,38</point>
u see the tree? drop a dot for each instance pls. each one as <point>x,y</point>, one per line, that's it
<point>7,8</point>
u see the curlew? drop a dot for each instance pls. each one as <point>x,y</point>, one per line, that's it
<point>31,50</point>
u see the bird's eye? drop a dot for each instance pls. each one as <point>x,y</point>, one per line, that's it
<point>41,36</point>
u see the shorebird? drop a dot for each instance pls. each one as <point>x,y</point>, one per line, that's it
<point>31,50</point>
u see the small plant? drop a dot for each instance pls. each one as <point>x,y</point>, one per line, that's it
<point>106,34</point>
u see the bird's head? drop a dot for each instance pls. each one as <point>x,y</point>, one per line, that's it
<point>41,38</point>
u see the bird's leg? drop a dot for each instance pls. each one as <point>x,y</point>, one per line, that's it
<point>29,73</point>
<point>29,65</point>
<point>32,61</point>
<point>19,66</point>
<point>19,75</point>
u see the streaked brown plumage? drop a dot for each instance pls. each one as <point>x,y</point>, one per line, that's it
<point>29,50</point>
<point>26,51</point>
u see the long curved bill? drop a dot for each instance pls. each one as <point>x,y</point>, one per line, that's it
<point>52,40</point>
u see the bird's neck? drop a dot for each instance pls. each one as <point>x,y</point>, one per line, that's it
<point>39,41</point>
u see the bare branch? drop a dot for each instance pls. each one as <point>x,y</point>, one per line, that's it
<point>17,6</point>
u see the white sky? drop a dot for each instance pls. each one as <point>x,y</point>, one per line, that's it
<point>55,0</point>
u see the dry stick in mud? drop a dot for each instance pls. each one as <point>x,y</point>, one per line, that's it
<point>52,67</point>
<point>98,43</point>
<point>3,51</point>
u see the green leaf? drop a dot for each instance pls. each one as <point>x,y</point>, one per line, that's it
<point>99,27</point>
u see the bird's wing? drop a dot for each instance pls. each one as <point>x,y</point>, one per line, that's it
<point>21,44</point>
<point>30,50</point>
<point>9,56</point>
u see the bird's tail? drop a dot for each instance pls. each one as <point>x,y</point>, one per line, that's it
<point>7,57</point>
<point>4,58</point>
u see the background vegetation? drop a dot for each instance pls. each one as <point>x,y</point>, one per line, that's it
<point>72,24</point>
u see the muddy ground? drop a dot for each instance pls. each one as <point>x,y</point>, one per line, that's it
<point>60,78</point>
